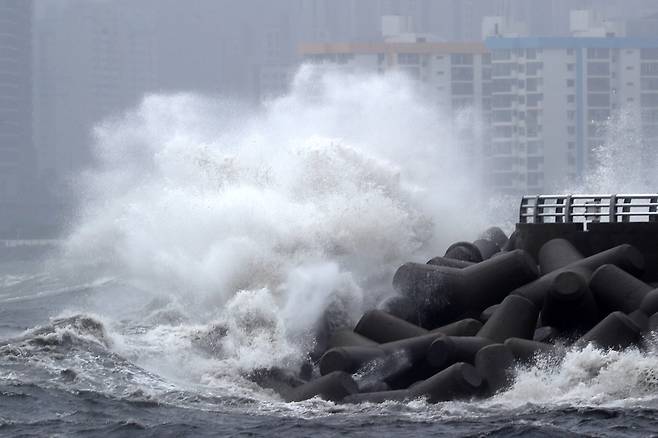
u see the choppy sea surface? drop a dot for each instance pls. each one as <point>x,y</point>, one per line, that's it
<point>213,241</point>
<point>72,364</point>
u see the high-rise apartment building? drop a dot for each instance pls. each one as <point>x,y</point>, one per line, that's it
<point>551,98</point>
<point>16,148</point>
<point>544,103</point>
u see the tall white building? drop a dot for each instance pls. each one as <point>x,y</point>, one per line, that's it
<point>550,98</point>
<point>544,102</point>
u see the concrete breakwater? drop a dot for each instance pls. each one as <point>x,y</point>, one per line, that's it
<point>457,326</point>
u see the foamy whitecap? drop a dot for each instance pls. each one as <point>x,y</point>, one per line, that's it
<point>586,376</point>
<point>306,205</point>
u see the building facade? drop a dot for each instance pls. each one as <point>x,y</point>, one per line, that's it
<point>541,105</point>
<point>551,99</point>
<point>16,148</point>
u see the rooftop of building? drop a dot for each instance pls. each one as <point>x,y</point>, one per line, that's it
<point>613,42</point>
<point>422,47</point>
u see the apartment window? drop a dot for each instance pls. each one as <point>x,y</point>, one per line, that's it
<point>344,58</point>
<point>440,73</point>
<point>533,99</point>
<point>535,146</point>
<point>502,69</point>
<point>649,100</point>
<point>571,83</point>
<point>570,51</point>
<point>598,53</point>
<point>533,130</point>
<point>598,84</point>
<point>571,115</point>
<point>651,53</point>
<point>535,163</point>
<point>414,72</point>
<point>503,163</point>
<point>533,68</point>
<point>463,102</point>
<point>532,84</point>
<point>408,58</point>
<point>502,85</point>
<point>502,116</point>
<point>571,130</point>
<point>650,68</point>
<point>571,67</point>
<point>532,116</point>
<point>462,88</point>
<point>531,53</point>
<point>598,68</point>
<point>502,100</point>
<point>630,67</point>
<point>571,145</point>
<point>504,147</point>
<point>503,131</point>
<point>598,114</point>
<point>571,98</point>
<point>630,84</point>
<point>461,59</point>
<point>462,73</point>
<point>650,116</point>
<point>501,55</point>
<point>598,99</point>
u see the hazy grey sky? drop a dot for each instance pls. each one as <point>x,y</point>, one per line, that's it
<point>88,60</point>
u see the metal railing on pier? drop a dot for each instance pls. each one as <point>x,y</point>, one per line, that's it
<point>585,208</point>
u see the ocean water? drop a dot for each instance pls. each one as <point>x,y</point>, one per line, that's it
<point>212,242</point>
